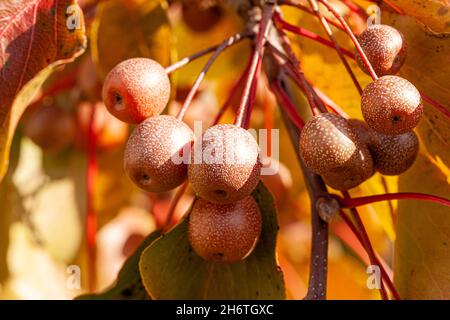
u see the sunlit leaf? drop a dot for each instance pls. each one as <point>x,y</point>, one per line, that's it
<point>170,269</point>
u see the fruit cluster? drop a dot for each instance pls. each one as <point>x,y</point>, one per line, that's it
<point>347,152</point>
<point>222,166</point>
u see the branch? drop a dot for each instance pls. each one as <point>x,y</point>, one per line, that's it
<point>317,192</point>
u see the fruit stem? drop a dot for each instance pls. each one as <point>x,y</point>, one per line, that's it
<point>352,37</point>
<point>302,7</point>
<point>173,205</point>
<point>232,93</point>
<point>315,7</point>
<point>264,27</point>
<point>177,65</point>
<point>291,66</point>
<point>226,44</point>
<point>355,8</point>
<point>91,216</point>
<point>330,103</point>
<point>361,201</point>
<point>252,97</point>
<point>307,34</point>
<point>373,258</point>
<point>436,104</point>
<point>287,105</point>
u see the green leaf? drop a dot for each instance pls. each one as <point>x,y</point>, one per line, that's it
<point>129,284</point>
<point>170,269</point>
<point>128,29</point>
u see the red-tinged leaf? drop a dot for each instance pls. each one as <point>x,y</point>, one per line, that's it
<point>36,36</point>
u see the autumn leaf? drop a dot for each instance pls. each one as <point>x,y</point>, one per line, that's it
<point>50,33</point>
<point>421,253</point>
<point>129,283</point>
<point>170,269</point>
<point>128,29</point>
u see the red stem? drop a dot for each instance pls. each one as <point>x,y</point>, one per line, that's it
<point>173,205</point>
<point>225,44</point>
<point>355,8</point>
<point>435,104</point>
<point>308,34</point>
<point>352,37</point>
<point>91,216</point>
<point>287,105</point>
<point>329,32</point>
<point>377,261</point>
<point>238,84</point>
<point>251,101</point>
<point>177,65</point>
<point>361,201</point>
<point>264,27</point>
<point>308,10</point>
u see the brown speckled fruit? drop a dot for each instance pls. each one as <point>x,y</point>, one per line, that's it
<point>357,170</point>
<point>225,167</point>
<point>52,128</point>
<point>391,105</point>
<point>157,153</point>
<point>224,232</point>
<point>327,141</point>
<point>385,48</point>
<point>364,133</point>
<point>136,89</point>
<point>393,155</point>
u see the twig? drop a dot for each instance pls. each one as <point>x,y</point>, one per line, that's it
<point>355,41</point>
<point>361,201</point>
<point>317,285</point>
<point>173,205</point>
<point>308,34</point>
<point>376,259</point>
<point>264,28</point>
<point>226,44</point>
<point>329,32</point>
<point>177,65</point>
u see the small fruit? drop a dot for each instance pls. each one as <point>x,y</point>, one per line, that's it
<point>51,127</point>
<point>326,142</point>
<point>358,169</point>
<point>224,232</point>
<point>385,48</point>
<point>136,89</point>
<point>201,16</point>
<point>225,166</point>
<point>393,155</point>
<point>391,105</point>
<point>110,132</point>
<point>157,152</point>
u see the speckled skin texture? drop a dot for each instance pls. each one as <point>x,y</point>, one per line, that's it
<point>385,47</point>
<point>225,167</point>
<point>224,232</point>
<point>393,155</point>
<point>136,89</point>
<point>357,170</point>
<point>391,105</point>
<point>327,141</point>
<point>150,151</point>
